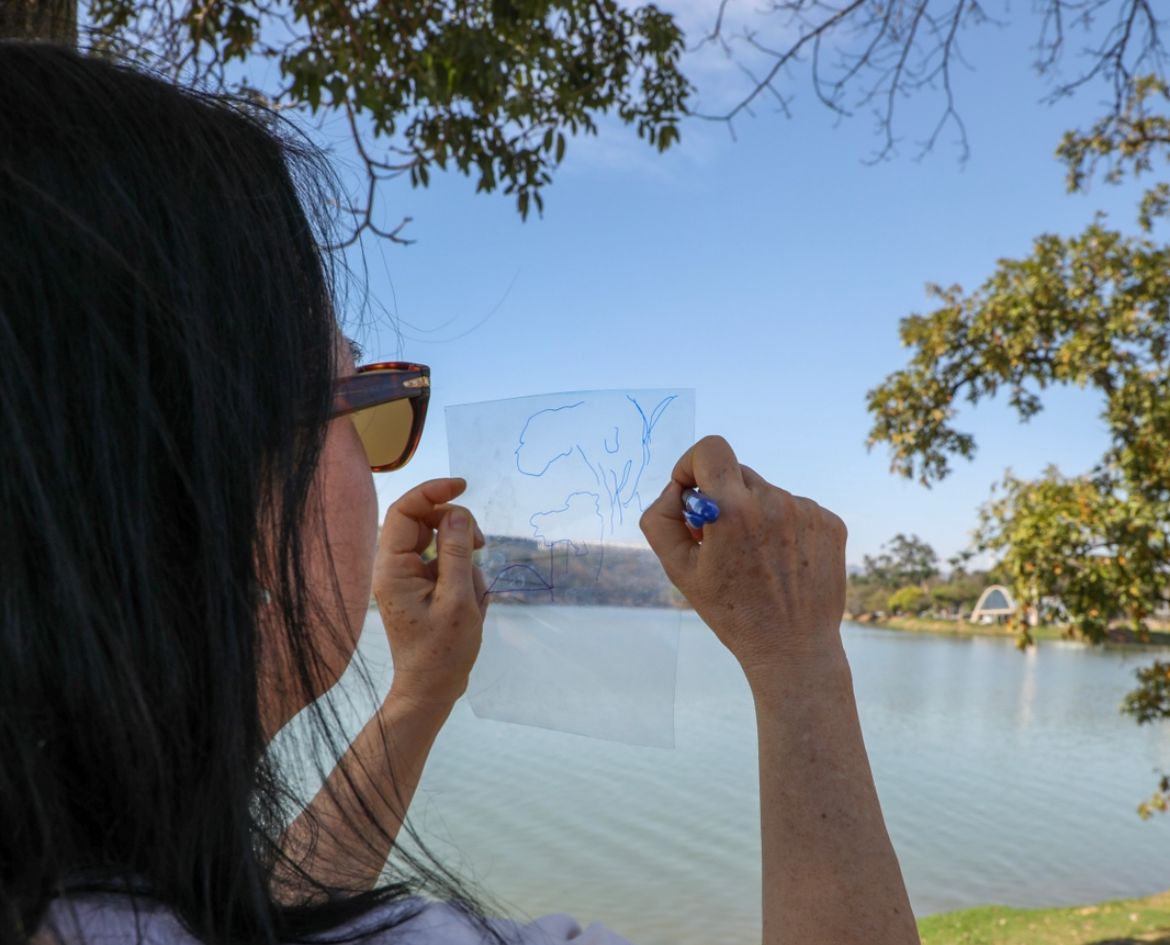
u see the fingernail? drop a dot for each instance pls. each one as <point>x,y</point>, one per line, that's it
<point>458,520</point>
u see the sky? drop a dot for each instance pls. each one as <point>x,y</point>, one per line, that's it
<point>767,271</point>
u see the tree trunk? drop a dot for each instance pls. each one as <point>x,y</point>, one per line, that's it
<point>53,20</point>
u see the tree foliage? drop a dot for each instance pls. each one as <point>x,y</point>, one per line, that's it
<point>960,592</point>
<point>1080,549</point>
<point>905,560</point>
<point>908,600</point>
<point>1133,138</point>
<point>908,564</point>
<point>1091,310</point>
<point>1149,703</point>
<point>491,88</point>
<point>495,88</point>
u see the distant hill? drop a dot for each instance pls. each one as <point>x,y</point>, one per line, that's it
<point>524,571</point>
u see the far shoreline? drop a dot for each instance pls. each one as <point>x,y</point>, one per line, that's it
<point>961,627</point>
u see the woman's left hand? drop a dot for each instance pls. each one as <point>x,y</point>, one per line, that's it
<point>433,611</point>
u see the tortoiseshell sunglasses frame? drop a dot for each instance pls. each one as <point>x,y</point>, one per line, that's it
<point>364,389</point>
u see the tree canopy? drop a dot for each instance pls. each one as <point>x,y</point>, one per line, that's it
<point>490,88</point>
<point>496,88</point>
<point>905,560</point>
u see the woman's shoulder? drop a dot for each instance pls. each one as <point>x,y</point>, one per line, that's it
<point>110,919</point>
<point>439,923</point>
<point>103,919</point>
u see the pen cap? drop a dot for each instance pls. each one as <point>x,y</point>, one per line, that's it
<point>699,506</point>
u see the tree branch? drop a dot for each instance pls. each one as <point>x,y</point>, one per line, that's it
<point>908,46</point>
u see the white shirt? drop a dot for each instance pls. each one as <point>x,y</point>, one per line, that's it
<point>100,919</point>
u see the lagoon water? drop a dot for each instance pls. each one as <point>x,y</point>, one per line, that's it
<point>1005,777</point>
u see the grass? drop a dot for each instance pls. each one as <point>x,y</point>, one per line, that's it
<point>1120,922</point>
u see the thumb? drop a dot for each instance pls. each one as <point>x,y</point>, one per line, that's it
<point>456,545</point>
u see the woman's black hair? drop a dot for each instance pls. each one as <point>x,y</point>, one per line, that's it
<point>167,346</point>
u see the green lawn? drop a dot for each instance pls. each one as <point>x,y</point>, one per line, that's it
<point>1121,922</point>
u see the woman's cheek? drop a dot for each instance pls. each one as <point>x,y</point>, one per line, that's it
<point>350,505</point>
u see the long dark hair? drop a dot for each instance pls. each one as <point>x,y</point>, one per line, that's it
<point>167,339</point>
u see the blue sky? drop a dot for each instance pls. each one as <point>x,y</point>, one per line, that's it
<point>769,273</point>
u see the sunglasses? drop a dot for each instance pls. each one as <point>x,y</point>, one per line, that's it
<point>388,403</point>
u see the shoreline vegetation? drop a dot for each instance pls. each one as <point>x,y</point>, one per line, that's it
<point>962,627</point>
<point>1115,922</point>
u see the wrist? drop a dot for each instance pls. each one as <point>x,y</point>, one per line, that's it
<point>419,696</point>
<point>817,663</point>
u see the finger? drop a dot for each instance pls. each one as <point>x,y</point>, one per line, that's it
<point>428,494</point>
<point>477,537</point>
<point>712,466</point>
<point>422,510</point>
<point>667,533</point>
<point>402,534</point>
<point>410,522</point>
<point>429,525</point>
<point>455,578</point>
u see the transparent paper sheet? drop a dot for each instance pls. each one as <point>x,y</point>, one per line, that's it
<point>582,629</point>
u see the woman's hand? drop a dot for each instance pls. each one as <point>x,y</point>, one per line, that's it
<point>769,576</point>
<point>433,610</point>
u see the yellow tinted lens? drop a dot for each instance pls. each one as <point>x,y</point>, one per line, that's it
<point>385,430</point>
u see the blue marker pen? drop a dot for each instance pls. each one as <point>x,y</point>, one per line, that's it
<point>699,509</point>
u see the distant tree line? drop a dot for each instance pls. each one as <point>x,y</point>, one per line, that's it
<point>905,579</point>
<point>527,571</point>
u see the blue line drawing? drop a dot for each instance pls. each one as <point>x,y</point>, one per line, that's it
<point>519,579</point>
<point>597,454</point>
<point>545,525</point>
<point>519,448</point>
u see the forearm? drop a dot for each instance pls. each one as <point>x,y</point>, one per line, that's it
<point>360,809</point>
<point>830,873</point>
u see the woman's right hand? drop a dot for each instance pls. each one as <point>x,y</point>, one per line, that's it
<point>433,611</point>
<point>768,576</point>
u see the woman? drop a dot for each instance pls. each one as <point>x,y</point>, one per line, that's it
<point>188,522</point>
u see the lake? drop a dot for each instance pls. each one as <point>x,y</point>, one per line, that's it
<point>1005,777</point>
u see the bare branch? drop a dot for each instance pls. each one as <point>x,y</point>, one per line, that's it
<point>948,53</point>
<point>784,58</point>
<point>376,172</point>
<point>896,80</point>
<point>716,33</point>
<point>876,52</point>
